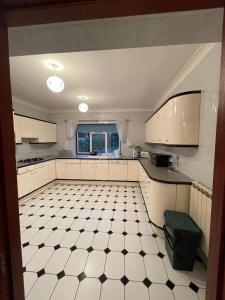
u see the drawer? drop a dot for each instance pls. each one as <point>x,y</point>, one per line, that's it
<point>101,161</point>
<point>87,161</point>
<point>72,161</point>
<point>118,162</point>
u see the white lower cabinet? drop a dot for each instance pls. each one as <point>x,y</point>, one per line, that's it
<point>60,168</point>
<point>118,170</point>
<point>133,170</point>
<point>33,177</point>
<point>160,196</point>
<point>87,169</point>
<point>72,169</point>
<point>101,170</point>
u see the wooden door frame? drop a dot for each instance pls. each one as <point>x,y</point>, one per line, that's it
<point>86,10</point>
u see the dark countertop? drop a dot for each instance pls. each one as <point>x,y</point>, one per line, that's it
<point>164,175</point>
<point>159,174</point>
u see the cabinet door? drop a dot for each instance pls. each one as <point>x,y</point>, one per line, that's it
<point>29,128</point>
<point>101,171</point>
<point>87,170</point>
<point>17,128</point>
<point>25,183</point>
<point>51,170</point>
<point>73,170</point>
<point>133,170</point>
<point>118,170</point>
<point>47,132</point>
<point>165,121</point>
<point>60,168</point>
<point>40,176</point>
<point>185,119</point>
<point>148,131</point>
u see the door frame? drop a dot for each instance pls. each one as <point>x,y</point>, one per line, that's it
<point>86,10</point>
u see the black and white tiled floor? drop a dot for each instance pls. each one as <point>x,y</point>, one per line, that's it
<point>95,242</point>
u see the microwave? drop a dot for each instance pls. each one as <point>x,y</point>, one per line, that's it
<point>161,160</point>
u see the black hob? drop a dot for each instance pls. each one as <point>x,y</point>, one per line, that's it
<point>31,160</point>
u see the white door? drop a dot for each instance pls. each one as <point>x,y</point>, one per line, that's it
<point>17,128</point>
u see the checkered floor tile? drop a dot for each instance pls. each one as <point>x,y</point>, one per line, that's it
<point>96,242</point>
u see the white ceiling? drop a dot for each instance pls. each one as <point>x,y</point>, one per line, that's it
<point>125,79</point>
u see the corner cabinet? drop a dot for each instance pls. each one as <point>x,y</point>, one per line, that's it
<point>38,131</point>
<point>177,122</point>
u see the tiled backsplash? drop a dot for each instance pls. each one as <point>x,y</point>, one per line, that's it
<point>27,150</point>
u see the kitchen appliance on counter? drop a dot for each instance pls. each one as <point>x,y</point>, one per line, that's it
<point>161,159</point>
<point>144,154</point>
<point>31,160</point>
<point>136,152</point>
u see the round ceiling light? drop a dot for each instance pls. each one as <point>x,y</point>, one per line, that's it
<point>83,107</point>
<point>55,84</point>
<point>53,65</point>
<point>83,97</point>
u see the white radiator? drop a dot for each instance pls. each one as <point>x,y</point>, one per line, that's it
<point>200,211</point>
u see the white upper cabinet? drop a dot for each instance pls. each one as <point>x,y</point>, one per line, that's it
<point>17,128</point>
<point>176,122</point>
<point>38,130</point>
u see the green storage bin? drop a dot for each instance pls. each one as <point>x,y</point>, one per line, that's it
<point>182,239</point>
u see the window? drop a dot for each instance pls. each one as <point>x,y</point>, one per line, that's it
<point>101,138</point>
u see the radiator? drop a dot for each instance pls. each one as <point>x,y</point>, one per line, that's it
<point>200,211</point>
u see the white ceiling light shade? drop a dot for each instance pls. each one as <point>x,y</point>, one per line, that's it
<point>55,84</point>
<point>53,65</point>
<point>83,107</point>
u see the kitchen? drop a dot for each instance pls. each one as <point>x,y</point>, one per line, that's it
<point>105,229</point>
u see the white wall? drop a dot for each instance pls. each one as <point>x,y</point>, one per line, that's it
<point>135,125</point>
<point>198,163</point>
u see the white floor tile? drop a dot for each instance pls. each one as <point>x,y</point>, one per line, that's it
<point>43,288</point>
<point>136,290</point>
<point>28,234</point>
<point>107,214</point>
<point>65,223</point>
<point>160,292</point>
<point>69,239</point>
<point>104,225</point>
<point>84,213</point>
<point>57,261</point>
<point>91,225</point>
<point>149,244</point>
<point>53,222</point>
<point>132,243</point>
<point>85,240</point>
<point>117,226</point>
<point>100,241</point>
<point>40,237</point>
<point>161,244</point>
<point>202,294</point>
<point>131,227</point>
<point>41,221</point>
<point>95,264</point>
<point>78,224</point>
<point>95,214</point>
<point>198,276</point>
<point>27,253</point>
<point>142,216</point>
<point>131,215</point>
<point>177,277</point>
<point>145,228</point>
<point>76,262</point>
<point>28,220</point>
<point>73,212</point>
<point>89,289</point>
<point>116,242</point>
<point>66,288</point>
<point>55,237</point>
<point>29,280</point>
<point>155,269</point>
<point>134,267</point>
<point>119,215</point>
<point>40,259</point>
<point>184,293</point>
<point>112,290</point>
<point>114,267</point>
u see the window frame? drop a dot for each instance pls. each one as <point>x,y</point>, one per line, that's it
<point>106,141</point>
<point>77,143</point>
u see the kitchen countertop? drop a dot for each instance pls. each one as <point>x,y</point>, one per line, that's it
<point>159,174</point>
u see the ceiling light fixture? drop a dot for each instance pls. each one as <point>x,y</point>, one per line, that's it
<point>53,65</point>
<point>83,107</point>
<point>83,97</point>
<point>55,84</point>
